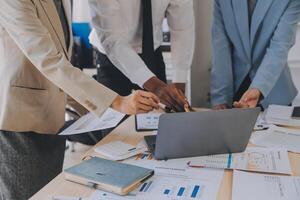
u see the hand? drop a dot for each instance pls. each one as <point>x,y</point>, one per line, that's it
<point>138,102</point>
<point>169,95</point>
<point>180,86</point>
<point>250,99</point>
<point>220,107</point>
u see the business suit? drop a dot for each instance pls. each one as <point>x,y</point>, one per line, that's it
<point>34,72</point>
<point>258,50</point>
<point>32,79</point>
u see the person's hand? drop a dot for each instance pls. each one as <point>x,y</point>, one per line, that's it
<point>138,102</point>
<point>220,107</point>
<point>250,99</point>
<point>169,95</point>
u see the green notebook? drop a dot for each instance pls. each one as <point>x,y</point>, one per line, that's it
<point>108,175</point>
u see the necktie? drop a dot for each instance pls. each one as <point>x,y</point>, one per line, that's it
<point>148,44</point>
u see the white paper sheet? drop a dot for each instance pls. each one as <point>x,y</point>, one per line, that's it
<point>119,150</point>
<point>91,122</point>
<point>253,159</point>
<point>173,183</point>
<point>173,179</point>
<point>278,137</point>
<point>147,121</point>
<point>281,115</point>
<point>250,186</point>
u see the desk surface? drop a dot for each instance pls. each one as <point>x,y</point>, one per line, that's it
<point>126,132</point>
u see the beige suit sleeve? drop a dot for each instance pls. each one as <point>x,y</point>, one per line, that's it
<point>20,20</point>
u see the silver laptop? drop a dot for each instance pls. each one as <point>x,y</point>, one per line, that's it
<point>202,133</point>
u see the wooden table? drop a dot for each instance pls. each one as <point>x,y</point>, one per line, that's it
<point>126,132</point>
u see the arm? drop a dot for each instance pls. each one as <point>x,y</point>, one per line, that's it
<point>180,15</point>
<point>221,74</point>
<point>20,20</point>
<point>276,55</point>
<point>112,32</point>
<point>111,29</point>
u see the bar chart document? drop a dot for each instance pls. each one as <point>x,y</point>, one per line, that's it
<point>91,122</point>
<point>250,186</point>
<point>172,182</point>
<point>148,121</point>
<point>253,159</point>
<point>278,137</point>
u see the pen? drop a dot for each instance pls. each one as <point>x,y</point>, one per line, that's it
<point>132,149</point>
<point>65,198</point>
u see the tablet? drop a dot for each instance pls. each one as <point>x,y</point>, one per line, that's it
<point>147,122</point>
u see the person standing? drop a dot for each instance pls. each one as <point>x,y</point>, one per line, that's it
<point>36,75</point>
<point>128,35</point>
<point>251,40</point>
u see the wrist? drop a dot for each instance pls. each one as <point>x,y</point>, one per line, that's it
<point>153,84</point>
<point>116,104</point>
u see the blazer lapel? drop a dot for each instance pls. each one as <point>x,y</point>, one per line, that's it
<point>50,10</point>
<point>240,9</point>
<point>259,14</point>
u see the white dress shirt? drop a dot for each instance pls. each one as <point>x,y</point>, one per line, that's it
<point>118,31</point>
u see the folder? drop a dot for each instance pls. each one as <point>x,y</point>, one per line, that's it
<point>108,175</point>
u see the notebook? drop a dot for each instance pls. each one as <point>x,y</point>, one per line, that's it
<point>108,175</point>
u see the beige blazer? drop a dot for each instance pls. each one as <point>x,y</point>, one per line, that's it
<point>35,69</point>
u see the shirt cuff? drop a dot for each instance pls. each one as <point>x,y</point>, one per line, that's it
<point>141,75</point>
<point>180,76</point>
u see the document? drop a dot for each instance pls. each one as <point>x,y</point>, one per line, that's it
<point>91,122</point>
<point>278,137</point>
<point>175,184</point>
<point>147,121</point>
<point>250,186</point>
<point>173,179</point>
<point>119,150</point>
<point>253,159</point>
<point>281,115</point>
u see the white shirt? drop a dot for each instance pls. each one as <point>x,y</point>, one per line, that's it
<point>118,31</point>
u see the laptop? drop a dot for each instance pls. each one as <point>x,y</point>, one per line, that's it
<point>202,133</point>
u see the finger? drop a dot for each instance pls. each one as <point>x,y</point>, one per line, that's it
<point>180,97</point>
<point>150,95</point>
<point>144,107</point>
<point>148,102</point>
<point>177,100</point>
<point>240,105</point>
<point>168,101</point>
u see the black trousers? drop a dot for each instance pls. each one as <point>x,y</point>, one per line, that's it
<point>113,78</point>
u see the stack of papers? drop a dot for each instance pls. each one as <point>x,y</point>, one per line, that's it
<point>278,137</point>
<point>249,186</point>
<point>281,115</point>
<point>253,159</point>
<point>91,122</point>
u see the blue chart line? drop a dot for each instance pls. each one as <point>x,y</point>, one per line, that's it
<point>166,192</point>
<point>143,186</point>
<point>195,191</point>
<point>229,161</point>
<point>181,191</point>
